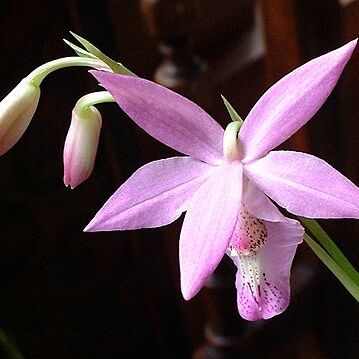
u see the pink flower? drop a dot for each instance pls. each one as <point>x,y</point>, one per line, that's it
<point>81,145</point>
<point>225,181</point>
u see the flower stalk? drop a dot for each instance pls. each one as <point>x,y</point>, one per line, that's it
<point>84,104</point>
<point>38,75</point>
<point>19,106</point>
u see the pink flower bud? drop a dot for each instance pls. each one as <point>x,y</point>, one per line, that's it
<point>16,111</point>
<point>81,145</point>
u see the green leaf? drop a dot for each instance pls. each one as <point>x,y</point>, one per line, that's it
<point>351,285</point>
<point>9,346</point>
<point>115,66</point>
<point>80,52</point>
<point>232,112</point>
<point>327,243</point>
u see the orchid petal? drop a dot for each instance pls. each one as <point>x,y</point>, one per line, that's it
<point>166,116</point>
<point>155,195</point>
<point>305,185</point>
<point>291,102</point>
<point>208,226</point>
<point>263,276</point>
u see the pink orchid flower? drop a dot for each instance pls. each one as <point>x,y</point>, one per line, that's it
<point>227,179</point>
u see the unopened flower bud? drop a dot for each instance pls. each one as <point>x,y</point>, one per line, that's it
<point>81,145</point>
<point>16,111</point>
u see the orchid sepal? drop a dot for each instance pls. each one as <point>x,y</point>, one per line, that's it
<point>78,50</point>
<point>291,102</point>
<point>166,116</point>
<point>142,201</point>
<point>116,67</point>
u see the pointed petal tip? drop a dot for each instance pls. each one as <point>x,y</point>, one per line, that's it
<point>354,42</point>
<point>188,292</point>
<point>96,224</point>
<point>91,227</point>
<point>97,74</point>
<point>186,297</point>
<point>349,47</point>
<point>291,102</point>
<point>99,223</point>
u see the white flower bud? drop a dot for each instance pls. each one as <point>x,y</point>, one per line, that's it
<point>16,111</point>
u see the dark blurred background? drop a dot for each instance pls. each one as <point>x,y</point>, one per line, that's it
<point>69,294</point>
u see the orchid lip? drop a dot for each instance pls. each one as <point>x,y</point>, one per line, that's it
<point>249,235</point>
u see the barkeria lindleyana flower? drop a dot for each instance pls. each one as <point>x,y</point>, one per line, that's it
<point>228,178</point>
<point>81,145</point>
<point>16,111</point>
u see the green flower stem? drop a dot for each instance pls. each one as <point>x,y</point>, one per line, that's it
<point>351,285</point>
<point>7,343</point>
<point>85,102</point>
<point>37,76</point>
<point>327,243</point>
